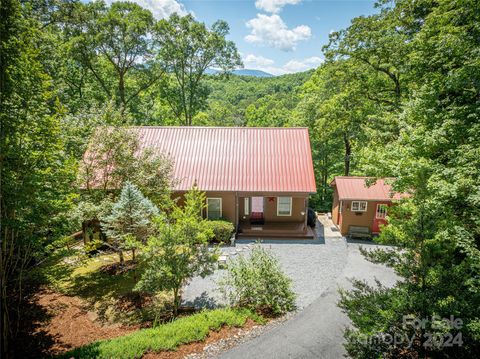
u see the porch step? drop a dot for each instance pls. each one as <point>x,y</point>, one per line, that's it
<point>276,230</point>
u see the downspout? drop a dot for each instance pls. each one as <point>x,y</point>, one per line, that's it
<point>236,214</point>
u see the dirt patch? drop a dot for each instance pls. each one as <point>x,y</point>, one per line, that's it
<point>134,301</point>
<point>71,324</point>
<point>118,268</point>
<point>198,347</point>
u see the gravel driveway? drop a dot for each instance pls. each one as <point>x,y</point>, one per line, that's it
<point>313,266</point>
<point>318,269</point>
<point>317,331</point>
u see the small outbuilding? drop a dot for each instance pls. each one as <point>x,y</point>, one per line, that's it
<point>360,204</point>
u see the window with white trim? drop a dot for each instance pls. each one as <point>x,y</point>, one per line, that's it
<point>246,206</point>
<point>381,211</point>
<point>340,207</point>
<point>284,206</point>
<point>359,206</point>
<point>214,208</point>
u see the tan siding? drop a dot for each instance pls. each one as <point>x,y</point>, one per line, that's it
<point>270,207</point>
<point>364,219</point>
<point>228,203</point>
<point>298,206</point>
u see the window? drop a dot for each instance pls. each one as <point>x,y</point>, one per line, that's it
<point>359,206</point>
<point>340,208</point>
<point>284,206</point>
<point>246,206</point>
<point>381,211</point>
<point>214,208</point>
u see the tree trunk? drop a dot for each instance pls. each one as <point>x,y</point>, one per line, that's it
<point>348,153</point>
<point>176,302</point>
<point>121,90</point>
<point>84,232</point>
<point>133,254</point>
<point>120,256</point>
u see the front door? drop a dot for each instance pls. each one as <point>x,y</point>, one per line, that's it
<point>256,217</point>
<point>380,217</point>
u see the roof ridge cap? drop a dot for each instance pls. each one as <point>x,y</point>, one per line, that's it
<point>224,127</point>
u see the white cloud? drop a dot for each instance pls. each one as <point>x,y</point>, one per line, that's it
<point>271,30</point>
<point>255,62</point>
<point>274,6</point>
<point>161,9</point>
<point>302,65</point>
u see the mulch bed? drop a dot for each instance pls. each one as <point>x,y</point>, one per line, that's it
<point>66,323</point>
<point>71,325</point>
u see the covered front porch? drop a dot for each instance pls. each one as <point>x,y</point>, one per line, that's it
<point>273,215</point>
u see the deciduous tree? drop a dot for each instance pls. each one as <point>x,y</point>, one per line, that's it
<point>114,44</point>
<point>186,48</point>
<point>179,251</point>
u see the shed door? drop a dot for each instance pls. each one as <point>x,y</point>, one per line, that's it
<point>380,217</point>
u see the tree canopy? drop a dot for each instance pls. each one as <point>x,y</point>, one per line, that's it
<point>397,96</point>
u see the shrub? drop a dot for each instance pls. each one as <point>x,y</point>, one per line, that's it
<point>257,282</point>
<point>164,337</point>
<point>222,230</point>
<point>179,251</point>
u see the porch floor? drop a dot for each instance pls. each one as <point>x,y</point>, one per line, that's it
<point>275,230</point>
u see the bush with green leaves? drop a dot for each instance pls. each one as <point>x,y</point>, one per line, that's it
<point>257,282</point>
<point>222,230</point>
<point>179,251</point>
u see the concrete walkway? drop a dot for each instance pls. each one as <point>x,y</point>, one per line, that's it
<point>317,331</point>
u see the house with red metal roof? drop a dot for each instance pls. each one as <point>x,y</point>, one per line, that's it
<point>260,179</point>
<point>360,204</point>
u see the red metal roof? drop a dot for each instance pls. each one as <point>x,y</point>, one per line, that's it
<point>248,159</point>
<point>356,188</point>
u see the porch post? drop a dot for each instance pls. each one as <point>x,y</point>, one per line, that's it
<point>236,212</point>
<point>306,214</point>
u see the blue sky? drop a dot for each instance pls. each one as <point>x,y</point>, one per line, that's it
<point>276,36</point>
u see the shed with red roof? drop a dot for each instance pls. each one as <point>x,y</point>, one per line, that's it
<point>360,204</point>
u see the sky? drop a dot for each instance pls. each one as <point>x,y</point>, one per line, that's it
<point>275,36</point>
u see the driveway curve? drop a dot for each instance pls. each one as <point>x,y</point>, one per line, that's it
<point>317,330</point>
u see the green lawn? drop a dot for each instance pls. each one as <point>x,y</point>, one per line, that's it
<point>74,274</point>
<point>71,273</point>
<point>165,337</point>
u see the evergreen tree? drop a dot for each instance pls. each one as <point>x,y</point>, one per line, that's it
<point>130,222</point>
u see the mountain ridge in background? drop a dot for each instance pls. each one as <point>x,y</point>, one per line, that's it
<point>243,72</point>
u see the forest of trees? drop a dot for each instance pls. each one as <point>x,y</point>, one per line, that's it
<point>398,96</point>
